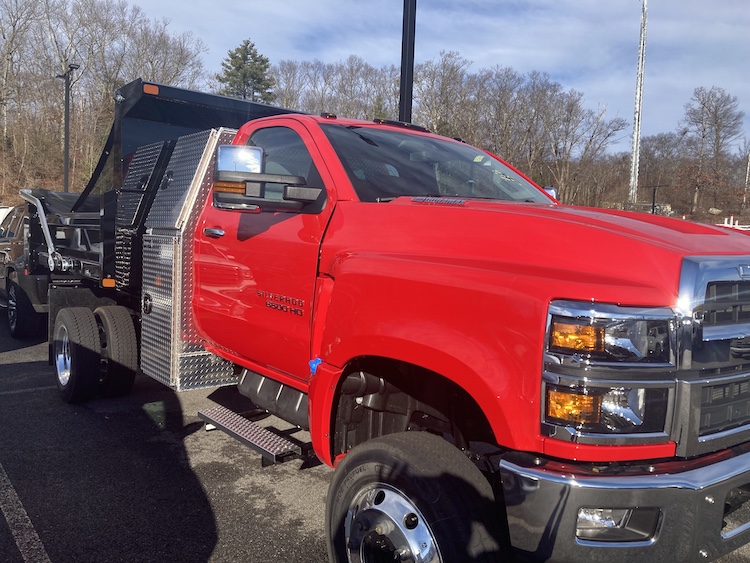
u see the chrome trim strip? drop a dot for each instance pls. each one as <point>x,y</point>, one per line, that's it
<point>725,332</point>
<point>606,311</point>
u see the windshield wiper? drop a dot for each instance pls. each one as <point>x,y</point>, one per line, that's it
<point>361,136</point>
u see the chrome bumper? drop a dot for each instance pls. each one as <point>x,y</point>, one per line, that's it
<point>543,506</point>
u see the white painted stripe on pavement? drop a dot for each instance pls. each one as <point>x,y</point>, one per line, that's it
<point>28,542</point>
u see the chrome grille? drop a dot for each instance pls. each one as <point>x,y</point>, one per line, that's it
<point>727,303</point>
<point>713,378</point>
<point>724,406</point>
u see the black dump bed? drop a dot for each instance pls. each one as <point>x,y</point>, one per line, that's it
<point>92,234</point>
<point>147,113</point>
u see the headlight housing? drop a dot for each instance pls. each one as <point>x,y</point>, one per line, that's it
<point>608,371</point>
<point>611,339</point>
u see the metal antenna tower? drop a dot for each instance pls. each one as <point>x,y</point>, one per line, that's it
<point>633,197</point>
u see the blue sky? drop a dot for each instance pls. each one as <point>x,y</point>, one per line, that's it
<point>586,45</point>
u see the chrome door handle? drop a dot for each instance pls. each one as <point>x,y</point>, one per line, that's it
<point>213,233</point>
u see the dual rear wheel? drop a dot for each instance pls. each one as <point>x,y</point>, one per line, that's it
<point>94,352</point>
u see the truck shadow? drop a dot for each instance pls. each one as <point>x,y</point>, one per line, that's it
<point>108,480</point>
<point>8,343</point>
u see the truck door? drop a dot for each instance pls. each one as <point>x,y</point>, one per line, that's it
<point>256,271</point>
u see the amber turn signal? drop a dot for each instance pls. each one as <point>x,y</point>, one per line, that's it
<point>575,336</point>
<point>230,187</point>
<point>572,407</point>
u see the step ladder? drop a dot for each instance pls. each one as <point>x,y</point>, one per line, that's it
<point>274,447</point>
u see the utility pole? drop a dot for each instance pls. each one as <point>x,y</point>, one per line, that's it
<point>634,161</point>
<point>747,179</point>
<point>407,61</point>
<point>66,135</point>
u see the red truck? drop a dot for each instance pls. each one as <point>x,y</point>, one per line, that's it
<point>494,376</point>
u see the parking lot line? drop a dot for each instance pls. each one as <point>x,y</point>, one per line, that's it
<point>28,542</point>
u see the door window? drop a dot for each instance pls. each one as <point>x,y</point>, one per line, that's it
<point>285,153</point>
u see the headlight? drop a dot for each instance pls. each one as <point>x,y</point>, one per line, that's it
<point>608,369</point>
<point>611,340</point>
<point>606,410</point>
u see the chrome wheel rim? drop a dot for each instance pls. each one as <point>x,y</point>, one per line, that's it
<point>383,524</point>
<point>12,307</point>
<point>62,356</point>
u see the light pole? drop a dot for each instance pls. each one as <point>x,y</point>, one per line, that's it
<point>407,61</point>
<point>66,135</point>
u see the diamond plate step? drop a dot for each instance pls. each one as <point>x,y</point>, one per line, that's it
<point>273,447</point>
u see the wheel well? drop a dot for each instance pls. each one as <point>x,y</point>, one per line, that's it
<point>379,396</point>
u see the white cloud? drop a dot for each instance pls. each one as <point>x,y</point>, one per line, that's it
<point>586,45</point>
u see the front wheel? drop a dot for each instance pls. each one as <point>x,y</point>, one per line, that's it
<point>76,352</point>
<point>23,321</point>
<point>411,497</point>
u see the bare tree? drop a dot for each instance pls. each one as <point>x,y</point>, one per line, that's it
<point>439,91</point>
<point>711,123</point>
<point>16,20</point>
<point>576,136</point>
<point>384,86</point>
<point>290,81</point>
<point>530,144</point>
<point>503,112</point>
<point>321,79</point>
<point>115,24</point>
<point>112,43</point>
<point>158,56</point>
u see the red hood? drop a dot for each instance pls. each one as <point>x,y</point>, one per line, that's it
<point>577,253</point>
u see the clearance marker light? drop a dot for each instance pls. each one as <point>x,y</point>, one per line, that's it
<point>152,89</point>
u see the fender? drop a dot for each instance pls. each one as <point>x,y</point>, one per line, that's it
<point>470,302</point>
<point>322,393</point>
<point>400,317</point>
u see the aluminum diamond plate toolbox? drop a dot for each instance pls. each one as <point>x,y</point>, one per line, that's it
<point>171,349</point>
<point>133,200</point>
<point>140,172</point>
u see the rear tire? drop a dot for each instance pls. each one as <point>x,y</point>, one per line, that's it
<point>119,350</point>
<point>76,352</point>
<point>411,496</point>
<point>23,320</point>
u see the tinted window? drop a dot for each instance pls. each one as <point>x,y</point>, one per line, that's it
<point>384,163</point>
<point>11,223</point>
<point>285,153</point>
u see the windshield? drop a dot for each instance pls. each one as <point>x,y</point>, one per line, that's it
<point>383,164</point>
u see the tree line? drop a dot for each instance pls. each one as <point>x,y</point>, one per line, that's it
<point>530,120</point>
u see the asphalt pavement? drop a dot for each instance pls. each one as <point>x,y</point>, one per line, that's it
<point>138,479</point>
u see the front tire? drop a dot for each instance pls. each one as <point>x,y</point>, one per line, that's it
<point>77,353</point>
<point>23,321</point>
<point>413,497</point>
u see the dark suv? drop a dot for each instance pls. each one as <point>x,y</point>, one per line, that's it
<point>23,317</point>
